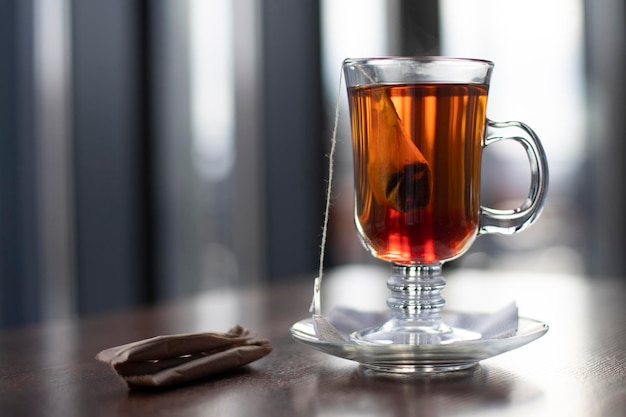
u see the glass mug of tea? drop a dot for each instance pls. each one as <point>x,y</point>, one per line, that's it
<point>419,127</point>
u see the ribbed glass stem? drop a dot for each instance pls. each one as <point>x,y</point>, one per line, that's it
<point>416,294</point>
<point>416,305</point>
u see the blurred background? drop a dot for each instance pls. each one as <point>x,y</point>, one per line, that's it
<point>151,149</point>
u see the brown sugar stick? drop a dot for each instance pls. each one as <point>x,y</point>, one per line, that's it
<point>175,359</point>
<point>174,346</point>
<point>399,174</point>
<point>200,366</point>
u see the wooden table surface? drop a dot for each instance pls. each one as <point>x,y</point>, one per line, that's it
<point>577,369</point>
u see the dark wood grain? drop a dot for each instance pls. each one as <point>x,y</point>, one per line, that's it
<point>577,369</point>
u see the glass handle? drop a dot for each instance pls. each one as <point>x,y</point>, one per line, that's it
<point>513,221</point>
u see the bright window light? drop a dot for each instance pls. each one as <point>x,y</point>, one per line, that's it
<point>537,47</point>
<point>212,91</point>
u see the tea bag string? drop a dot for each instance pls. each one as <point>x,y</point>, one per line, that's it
<point>316,304</point>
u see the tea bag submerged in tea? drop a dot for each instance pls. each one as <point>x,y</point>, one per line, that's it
<point>175,359</point>
<point>398,172</point>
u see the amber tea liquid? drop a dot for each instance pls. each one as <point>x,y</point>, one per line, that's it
<point>417,154</point>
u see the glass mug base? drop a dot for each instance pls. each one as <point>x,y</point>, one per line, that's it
<point>395,333</point>
<point>421,369</point>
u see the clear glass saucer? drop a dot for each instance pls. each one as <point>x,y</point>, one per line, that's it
<point>425,359</point>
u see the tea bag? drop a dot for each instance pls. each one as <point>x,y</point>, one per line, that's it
<point>399,174</point>
<point>175,359</point>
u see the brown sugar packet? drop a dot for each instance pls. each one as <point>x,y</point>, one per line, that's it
<point>175,359</point>
<point>398,172</point>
